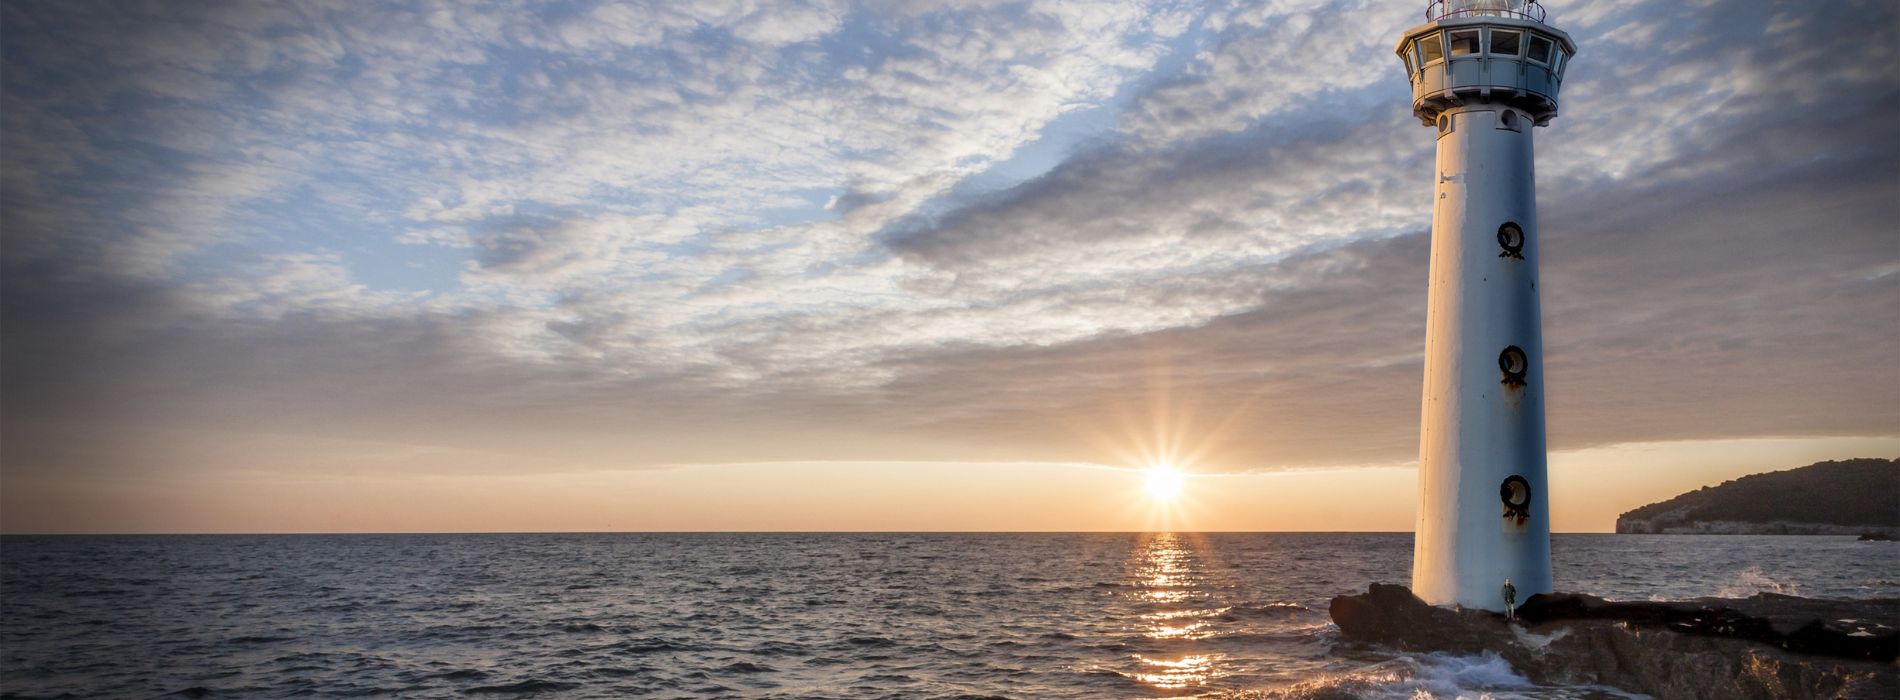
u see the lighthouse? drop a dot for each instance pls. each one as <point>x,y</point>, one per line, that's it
<point>1484,74</point>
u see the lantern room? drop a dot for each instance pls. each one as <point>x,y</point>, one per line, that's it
<point>1497,51</point>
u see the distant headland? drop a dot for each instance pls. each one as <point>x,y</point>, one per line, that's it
<point>1848,497</point>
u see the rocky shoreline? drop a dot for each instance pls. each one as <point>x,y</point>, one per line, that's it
<point>1766,646</point>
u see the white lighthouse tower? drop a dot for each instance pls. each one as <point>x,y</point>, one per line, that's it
<point>1483,73</point>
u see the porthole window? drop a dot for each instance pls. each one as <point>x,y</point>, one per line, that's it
<point>1540,49</point>
<point>1463,43</point>
<point>1514,363</point>
<point>1506,43</point>
<point>1515,492</point>
<point>1444,124</point>
<point>1508,120</point>
<point>1511,239</point>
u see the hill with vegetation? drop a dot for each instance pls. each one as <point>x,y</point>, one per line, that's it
<point>1829,498</point>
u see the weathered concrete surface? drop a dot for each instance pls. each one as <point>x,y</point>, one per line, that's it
<point>1767,646</point>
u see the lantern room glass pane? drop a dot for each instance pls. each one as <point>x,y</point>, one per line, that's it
<point>1430,49</point>
<point>1485,8</point>
<point>1464,43</point>
<point>1557,66</point>
<point>1506,43</point>
<point>1540,49</point>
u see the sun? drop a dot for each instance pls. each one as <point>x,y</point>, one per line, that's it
<point>1163,483</point>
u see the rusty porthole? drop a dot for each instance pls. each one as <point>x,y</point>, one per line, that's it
<point>1516,494</point>
<point>1511,239</point>
<point>1514,363</point>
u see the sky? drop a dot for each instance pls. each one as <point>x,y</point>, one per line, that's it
<point>280,266</point>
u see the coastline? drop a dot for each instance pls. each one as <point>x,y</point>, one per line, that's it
<point>1639,526</point>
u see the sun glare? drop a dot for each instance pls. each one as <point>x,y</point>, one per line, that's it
<point>1164,483</point>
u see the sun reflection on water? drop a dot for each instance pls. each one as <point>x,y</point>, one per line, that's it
<point>1170,577</point>
<point>1191,630</point>
<point>1179,673</point>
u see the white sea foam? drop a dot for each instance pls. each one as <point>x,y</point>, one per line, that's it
<point>1752,580</point>
<point>1489,675</point>
<point>1424,677</point>
<point>1436,677</point>
<point>1537,642</point>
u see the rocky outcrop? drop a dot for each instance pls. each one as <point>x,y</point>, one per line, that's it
<point>1767,646</point>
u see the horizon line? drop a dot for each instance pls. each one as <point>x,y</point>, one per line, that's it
<point>751,532</point>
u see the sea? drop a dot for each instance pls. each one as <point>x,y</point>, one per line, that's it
<point>858,615</point>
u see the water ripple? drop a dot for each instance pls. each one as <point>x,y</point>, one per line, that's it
<point>785,616</point>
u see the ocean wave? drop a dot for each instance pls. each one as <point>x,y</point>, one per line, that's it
<point>652,645</point>
<point>620,672</point>
<point>522,615</point>
<point>1752,580</point>
<point>1421,677</point>
<point>1268,610</point>
<point>527,687</point>
<point>777,648</point>
<point>465,674</point>
<point>260,639</point>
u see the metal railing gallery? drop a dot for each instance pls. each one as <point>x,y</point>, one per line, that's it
<point>1516,9</point>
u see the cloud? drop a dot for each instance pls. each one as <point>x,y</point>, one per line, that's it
<point>754,231</point>
<point>1271,58</point>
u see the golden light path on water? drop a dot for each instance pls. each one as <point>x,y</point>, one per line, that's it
<point>1169,576</point>
<point>1170,570</point>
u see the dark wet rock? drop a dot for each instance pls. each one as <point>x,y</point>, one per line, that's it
<point>1848,629</point>
<point>1766,646</point>
<point>1391,615</point>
